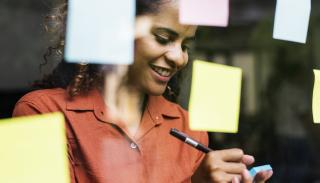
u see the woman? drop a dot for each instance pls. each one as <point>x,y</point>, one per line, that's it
<point>102,149</point>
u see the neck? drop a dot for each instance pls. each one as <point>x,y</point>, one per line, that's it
<point>125,102</point>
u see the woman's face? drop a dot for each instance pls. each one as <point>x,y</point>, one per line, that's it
<point>161,52</point>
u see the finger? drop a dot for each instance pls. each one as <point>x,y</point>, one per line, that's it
<point>246,177</point>
<point>233,168</point>
<point>261,177</point>
<point>247,159</point>
<point>220,176</point>
<point>235,180</point>
<point>234,155</point>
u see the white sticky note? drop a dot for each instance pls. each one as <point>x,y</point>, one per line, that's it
<point>316,97</point>
<point>292,20</point>
<point>204,12</point>
<point>100,32</point>
<point>34,150</point>
<point>215,97</point>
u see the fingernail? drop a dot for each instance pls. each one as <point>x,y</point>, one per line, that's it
<point>251,157</point>
<point>270,173</point>
<point>248,159</point>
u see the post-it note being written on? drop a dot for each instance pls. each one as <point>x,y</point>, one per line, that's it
<point>215,97</point>
<point>292,20</point>
<point>253,171</point>
<point>33,149</point>
<point>316,97</point>
<point>100,32</point>
<point>204,12</point>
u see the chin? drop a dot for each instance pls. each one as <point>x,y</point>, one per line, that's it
<point>156,91</point>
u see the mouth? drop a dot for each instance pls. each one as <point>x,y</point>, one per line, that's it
<point>162,71</point>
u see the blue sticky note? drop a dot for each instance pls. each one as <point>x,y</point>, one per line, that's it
<point>253,171</point>
<point>100,32</point>
<point>292,20</point>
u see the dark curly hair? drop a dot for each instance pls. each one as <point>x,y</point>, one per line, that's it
<point>80,78</point>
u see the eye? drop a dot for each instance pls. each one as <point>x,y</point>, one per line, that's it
<point>162,39</point>
<point>185,47</point>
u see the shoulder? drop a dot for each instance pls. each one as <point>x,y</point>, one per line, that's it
<point>43,94</point>
<point>40,101</point>
<point>170,112</point>
<point>202,136</point>
<point>174,112</point>
<point>171,108</point>
<point>46,97</point>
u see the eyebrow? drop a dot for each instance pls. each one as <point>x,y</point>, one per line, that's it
<point>174,33</point>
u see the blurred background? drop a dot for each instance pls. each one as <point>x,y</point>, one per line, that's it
<point>276,124</point>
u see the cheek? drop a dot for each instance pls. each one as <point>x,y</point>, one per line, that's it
<point>186,59</point>
<point>147,49</point>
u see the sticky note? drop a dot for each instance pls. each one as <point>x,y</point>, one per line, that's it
<point>215,97</point>
<point>253,171</point>
<point>33,149</point>
<point>316,97</point>
<point>100,32</point>
<point>204,12</point>
<point>292,20</point>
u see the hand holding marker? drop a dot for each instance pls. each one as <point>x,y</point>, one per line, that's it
<point>185,138</point>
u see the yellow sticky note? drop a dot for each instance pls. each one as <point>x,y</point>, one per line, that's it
<point>33,150</point>
<point>316,97</point>
<point>215,97</point>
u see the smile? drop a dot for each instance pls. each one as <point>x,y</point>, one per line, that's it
<point>165,72</point>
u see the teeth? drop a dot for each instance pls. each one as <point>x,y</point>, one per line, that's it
<point>162,71</point>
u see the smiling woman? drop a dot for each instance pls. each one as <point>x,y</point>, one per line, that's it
<point>162,53</point>
<point>102,149</point>
<point>81,78</point>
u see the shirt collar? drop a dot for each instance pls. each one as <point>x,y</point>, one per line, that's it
<point>92,101</point>
<point>157,106</point>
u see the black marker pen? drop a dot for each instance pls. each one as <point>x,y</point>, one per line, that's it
<point>185,138</point>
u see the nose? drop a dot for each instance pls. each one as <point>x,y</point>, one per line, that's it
<point>176,57</point>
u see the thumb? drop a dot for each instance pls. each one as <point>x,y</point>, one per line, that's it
<point>246,176</point>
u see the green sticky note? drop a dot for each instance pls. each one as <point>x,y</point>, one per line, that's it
<point>33,150</point>
<point>316,97</point>
<point>215,97</point>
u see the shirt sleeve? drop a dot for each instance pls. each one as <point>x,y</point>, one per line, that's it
<point>26,108</point>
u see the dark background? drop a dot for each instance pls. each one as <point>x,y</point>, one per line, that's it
<point>276,124</point>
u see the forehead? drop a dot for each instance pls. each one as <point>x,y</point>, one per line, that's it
<point>168,16</point>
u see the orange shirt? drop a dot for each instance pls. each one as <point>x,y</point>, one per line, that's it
<point>101,152</point>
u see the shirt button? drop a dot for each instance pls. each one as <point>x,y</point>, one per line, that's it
<point>133,145</point>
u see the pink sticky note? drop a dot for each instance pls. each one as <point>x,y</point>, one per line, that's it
<point>204,12</point>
